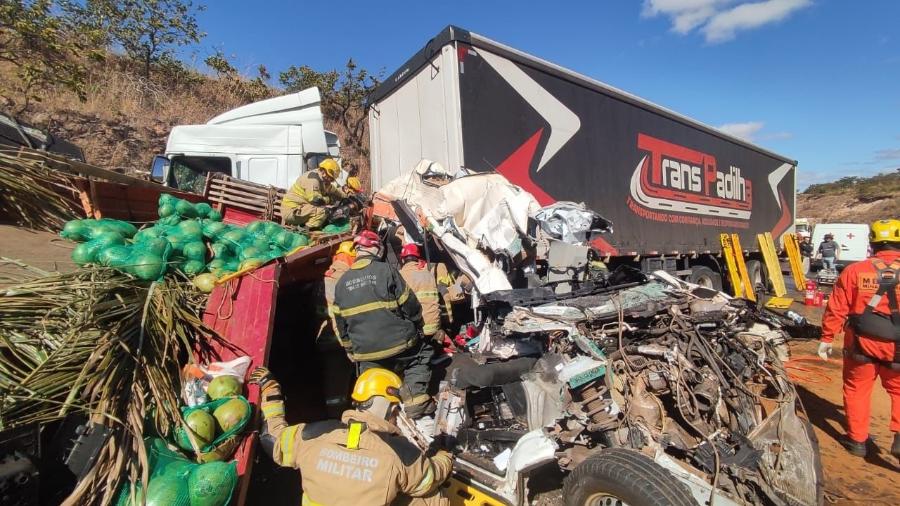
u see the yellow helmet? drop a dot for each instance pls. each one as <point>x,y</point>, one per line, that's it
<point>885,231</point>
<point>330,167</point>
<point>346,247</point>
<point>354,183</point>
<point>377,382</point>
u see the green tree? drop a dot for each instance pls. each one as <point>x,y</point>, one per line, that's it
<point>44,49</point>
<point>147,30</point>
<point>249,90</point>
<point>344,95</point>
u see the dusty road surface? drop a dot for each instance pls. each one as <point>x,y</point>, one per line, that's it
<point>43,250</point>
<point>848,479</point>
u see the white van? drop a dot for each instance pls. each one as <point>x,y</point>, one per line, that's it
<point>266,142</point>
<point>853,238</point>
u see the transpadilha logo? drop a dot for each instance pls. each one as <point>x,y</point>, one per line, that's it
<point>674,179</point>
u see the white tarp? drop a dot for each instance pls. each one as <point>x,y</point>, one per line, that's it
<point>470,213</point>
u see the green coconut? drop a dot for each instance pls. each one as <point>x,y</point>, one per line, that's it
<point>224,386</point>
<point>272,228</point>
<point>214,215</point>
<point>158,246</point>
<point>167,198</point>
<point>114,256</point>
<point>123,228</point>
<point>190,228</point>
<point>216,268</point>
<point>86,252</point>
<point>166,210</point>
<point>109,238</point>
<point>203,425</point>
<point>220,250</point>
<point>193,267</point>
<point>147,266</point>
<point>250,252</point>
<point>212,229</point>
<point>195,250</point>
<point>202,209</point>
<point>211,484</point>
<point>251,263</point>
<point>230,414</point>
<point>185,209</point>
<point>234,236</point>
<point>74,230</point>
<point>167,490</point>
<point>205,282</point>
<point>169,220</point>
<point>256,227</point>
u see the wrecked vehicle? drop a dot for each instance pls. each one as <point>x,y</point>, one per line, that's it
<point>640,388</point>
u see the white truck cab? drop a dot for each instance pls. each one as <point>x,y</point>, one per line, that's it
<point>268,142</point>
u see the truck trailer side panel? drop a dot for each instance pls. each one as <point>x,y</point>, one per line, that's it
<point>666,186</point>
<point>420,120</point>
<point>669,184</point>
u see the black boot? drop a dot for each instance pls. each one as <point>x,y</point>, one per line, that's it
<point>895,448</point>
<point>853,447</point>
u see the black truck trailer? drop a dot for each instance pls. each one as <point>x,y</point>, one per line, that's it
<point>669,184</point>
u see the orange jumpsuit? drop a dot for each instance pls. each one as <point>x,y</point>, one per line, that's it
<point>854,289</point>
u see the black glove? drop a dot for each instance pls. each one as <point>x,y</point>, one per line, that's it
<point>318,201</point>
<point>263,377</point>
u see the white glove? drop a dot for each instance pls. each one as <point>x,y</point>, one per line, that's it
<point>824,350</point>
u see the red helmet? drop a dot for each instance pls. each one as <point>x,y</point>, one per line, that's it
<point>410,250</point>
<point>367,239</point>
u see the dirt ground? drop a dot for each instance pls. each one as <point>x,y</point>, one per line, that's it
<point>848,479</point>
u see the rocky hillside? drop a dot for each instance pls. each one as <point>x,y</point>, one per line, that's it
<point>125,119</point>
<point>852,200</point>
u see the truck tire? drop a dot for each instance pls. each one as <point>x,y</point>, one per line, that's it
<point>622,477</point>
<point>705,277</point>
<point>757,275</point>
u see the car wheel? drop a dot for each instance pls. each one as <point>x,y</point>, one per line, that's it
<point>705,277</point>
<point>621,477</point>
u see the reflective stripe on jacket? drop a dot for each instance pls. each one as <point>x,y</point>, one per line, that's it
<point>307,188</point>
<point>339,266</point>
<point>422,282</point>
<point>852,292</point>
<point>359,460</point>
<point>375,311</point>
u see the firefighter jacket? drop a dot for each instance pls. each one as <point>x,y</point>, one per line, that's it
<point>375,311</point>
<point>359,460</point>
<point>310,189</point>
<point>339,266</point>
<point>421,280</point>
<point>856,289</point>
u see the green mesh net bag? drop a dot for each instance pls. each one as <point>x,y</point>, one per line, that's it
<point>231,415</point>
<point>176,481</point>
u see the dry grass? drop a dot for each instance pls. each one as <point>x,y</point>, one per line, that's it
<point>126,118</point>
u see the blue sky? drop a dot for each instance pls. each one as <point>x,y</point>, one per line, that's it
<point>815,80</point>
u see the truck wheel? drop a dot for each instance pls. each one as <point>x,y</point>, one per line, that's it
<point>621,477</point>
<point>759,276</point>
<point>705,277</point>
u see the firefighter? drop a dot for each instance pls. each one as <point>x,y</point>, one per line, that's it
<point>336,371</point>
<point>864,304</point>
<point>305,204</point>
<point>381,319</point>
<point>361,459</point>
<point>421,278</point>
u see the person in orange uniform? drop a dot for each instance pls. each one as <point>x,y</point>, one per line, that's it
<point>865,305</point>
